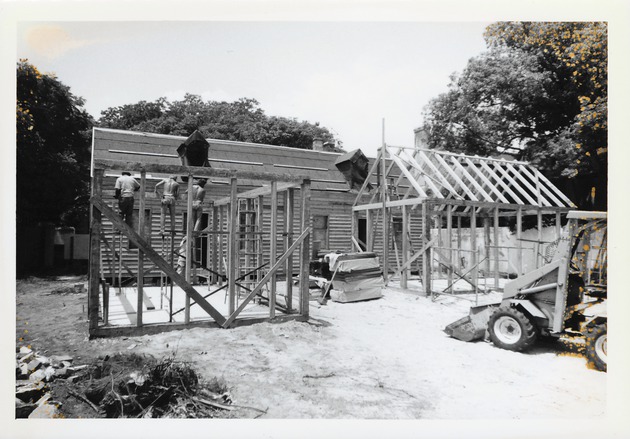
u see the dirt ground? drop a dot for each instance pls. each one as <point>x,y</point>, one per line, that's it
<point>382,359</point>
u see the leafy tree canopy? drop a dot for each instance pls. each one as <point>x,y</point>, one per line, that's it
<point>539,93</point>
<point>53,149</point>
<point>242,120</point>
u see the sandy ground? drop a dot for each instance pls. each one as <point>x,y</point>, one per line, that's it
<point>382,359</point>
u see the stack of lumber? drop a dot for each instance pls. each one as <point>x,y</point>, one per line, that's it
<point>356,276</point>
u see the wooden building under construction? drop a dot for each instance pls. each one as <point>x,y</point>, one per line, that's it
<point>269,210</point>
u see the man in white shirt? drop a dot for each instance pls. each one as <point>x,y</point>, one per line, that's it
<point>125,188</point>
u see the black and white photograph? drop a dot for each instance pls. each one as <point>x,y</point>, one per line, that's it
<point>274,219</point>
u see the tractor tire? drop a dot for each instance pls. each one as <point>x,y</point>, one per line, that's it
<point>510,329</point>
<point>596,347</point>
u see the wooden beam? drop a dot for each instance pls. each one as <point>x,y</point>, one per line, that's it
<point>415,256</point>
<point>289,209</point>
<point>273,247</point>
<point>443,180</point>
<point>95,253</point>
<point>233,245</point>
<point>527,185</point>
<point>496,247</point>
<point>499,180</point>
<point>197,171</point>
<point>473,247</point>
<point>155,257</point>
<point>395,203</point>
<point>455,177</point>
<point>449,237</point>
<point>254,193</point>
<point>412,180</point>
<point>143,183</point>
<point>486,181</point>
<point>540,188</point>
<point>519,242</point>
<point>471,179</point>
<point>214,241</point>
<point>189,244</point>
<point>405,247</point>
<point>305,248</point>
<point>558,192</point>
<point>385,216</point>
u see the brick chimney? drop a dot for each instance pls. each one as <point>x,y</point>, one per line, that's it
<point>318,144</point>
<point>421,138</point>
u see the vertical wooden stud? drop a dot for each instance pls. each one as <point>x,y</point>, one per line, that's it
<point>273,247</point>
<point>189,244</point>
<point>519,242</point>
<point>95,252</point>
<point>290,215</point>
<point>305,247</point>
<point>233,245</point>
<point>405,246</point>
<point>140,281</point>
<point>449,243</point>
<point>496,247</point>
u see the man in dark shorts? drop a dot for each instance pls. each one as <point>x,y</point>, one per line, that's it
<point>125,188</point>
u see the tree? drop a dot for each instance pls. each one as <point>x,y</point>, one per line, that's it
<point>538,94</point>
<point>242,120</point>
<point>53,150</point>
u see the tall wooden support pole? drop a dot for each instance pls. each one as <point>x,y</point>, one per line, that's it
<point>519,242</point>
<point>233,245</point>
<point>305,247</point>
<point>473,248</point>
<point>221,256</point>
<point>260,210</point>
<point>273,247</point>
<point>539,245</point>
<point>290,218</point>
<point>459,242</point>
<point>189,244</point>
<point>496,247</point>
<point>214,243</point>
<point>404,277</point>
<point>384,217</point>
<point>141,207</point>
<point>426,257</point>
<point>354,235</point>
<point>369,232</point>
<point>487,244</point>
<point>558,225</point>
<point>449,243</point>
<point>95,253</point>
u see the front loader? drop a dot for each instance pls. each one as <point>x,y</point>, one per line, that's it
<point>566,296</point>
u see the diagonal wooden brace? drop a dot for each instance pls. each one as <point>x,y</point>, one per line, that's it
<point>154,257</point>
<point>265,279</point>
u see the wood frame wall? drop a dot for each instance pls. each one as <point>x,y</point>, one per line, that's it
<point>222,236</point>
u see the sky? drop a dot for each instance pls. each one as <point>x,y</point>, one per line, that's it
<point>348,76</point>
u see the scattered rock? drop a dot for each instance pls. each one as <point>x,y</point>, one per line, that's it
<point>33,365</point>
<point>25,350</point>
<point>23,409</point>
<point>45,411</point>
<point>49,373</point>
<point>30,392</point>
<point>38,375</point>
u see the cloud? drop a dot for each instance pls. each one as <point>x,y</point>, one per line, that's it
<point>53,41</point>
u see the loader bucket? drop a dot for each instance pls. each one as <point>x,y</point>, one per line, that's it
<point>473,326</point>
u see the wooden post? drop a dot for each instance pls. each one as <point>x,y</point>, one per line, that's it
<point>221,256</point>
<point>519,242</point>
<point>496,247</point>
<point>539,245</point>
<point>290,216</point>
<point>385,217</point>
<point>426,257</point>
<point>189,244</point>
<point>305,247</point>
<point>558,225</point>
<point>459,242</point>
<point>233,244</point>
<point>449,241</point>
<point>273,247</point>
<point>140,303</point>
<point>487,244</point>
<point>473,248</point>
<point>354,235</point>
<point>95,253</point>
<point>369,232</point>
<point>259,222</point>
<point>214,239</point>
<point>405,246</point>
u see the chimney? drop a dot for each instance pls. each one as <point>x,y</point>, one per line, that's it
<point>421,138</point>
<point>318,144</point>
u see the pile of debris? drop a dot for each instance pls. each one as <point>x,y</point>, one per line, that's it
<point>115,386</point>
<point>33,372</point>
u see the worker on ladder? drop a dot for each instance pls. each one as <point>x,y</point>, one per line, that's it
<point>168,198</point>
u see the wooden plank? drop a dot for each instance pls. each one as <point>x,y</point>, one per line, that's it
<point>443,180</point>
<point>540,188</point>
<point>421,173</point>
<point>405,247</point>
<point>305,248</point>
<point>273,247</point>
<point>557,191</point>
<point>499,180</point>
<point>254,193</point>
<point>449,237</point>
<point>233,222</point>
<point>415,256</point>
<point>197,171</point>
<point>496,248</point>
<point>471,179</point>
<point>455,177</point>
<point>527,185</point>
<point>189,243</point>
<point>473,247</point>
<point>385,217</point>
<point>486,181</point>
<point>412,180</point>
<point>214,243</point>
<point>265,279</point>
<point>95,254</point>
<point>156,258</point>
<point>143,183</point>
<point>290,220</point>
<point>519,242</point>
